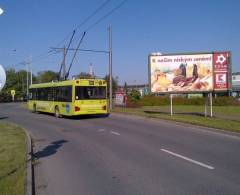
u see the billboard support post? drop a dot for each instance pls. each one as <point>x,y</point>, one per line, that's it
<point>185,73</point>
<point>211,107</point>
<point>206,102</point>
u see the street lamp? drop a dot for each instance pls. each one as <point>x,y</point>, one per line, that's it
<point>28,65</point>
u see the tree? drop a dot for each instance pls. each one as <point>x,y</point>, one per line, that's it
<point>15,81</point>
<point>114,83</point>
<point>125,87</point>
<point>47,76</point>
<point>134,95</point>
<point>85,75</point>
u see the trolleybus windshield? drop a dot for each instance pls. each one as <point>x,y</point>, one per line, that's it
<point>86,92</point>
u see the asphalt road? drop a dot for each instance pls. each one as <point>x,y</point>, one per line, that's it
<point>128,155</point>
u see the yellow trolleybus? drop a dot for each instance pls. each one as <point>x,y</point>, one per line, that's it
<point>69,98</point>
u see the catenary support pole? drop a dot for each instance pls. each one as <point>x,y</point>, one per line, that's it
<point>110,67</point>
<point>171,104</point>
<point>31,76</point>
<point>27,69</point>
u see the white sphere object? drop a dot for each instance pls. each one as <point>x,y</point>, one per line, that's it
<point>1,11</point>
<point>2,77</point>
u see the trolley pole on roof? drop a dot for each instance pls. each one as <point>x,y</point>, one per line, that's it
<point>64,62</point>
<point>110,67</point>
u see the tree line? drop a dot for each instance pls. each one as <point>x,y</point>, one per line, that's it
<point>17,80</point>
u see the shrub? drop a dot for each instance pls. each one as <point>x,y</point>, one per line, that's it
<point>151,100</point>
<point>154,101</point>
<point>226,101</point>
<point>134,95</point>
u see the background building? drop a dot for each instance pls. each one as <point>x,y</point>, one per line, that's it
<point>236,84</point>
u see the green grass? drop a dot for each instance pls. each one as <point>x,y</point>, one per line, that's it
<point>225,117</point>
<point>13,152</point>
<point>223,112</point>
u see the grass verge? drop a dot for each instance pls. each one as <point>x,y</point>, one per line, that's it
<point>13,152</point>
<point>189,115</point>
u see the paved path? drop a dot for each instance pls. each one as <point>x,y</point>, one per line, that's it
<point>128,155</point>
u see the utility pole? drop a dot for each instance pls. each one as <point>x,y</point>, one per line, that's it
<point>27,67</point>
<point>31,77</point>
<point>22,85</point>
<point>110,67</point>
<point>30,63</point>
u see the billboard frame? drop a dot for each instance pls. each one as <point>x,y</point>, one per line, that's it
<point>194,92</point>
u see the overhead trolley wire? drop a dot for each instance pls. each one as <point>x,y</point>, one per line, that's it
<point>50,52</point>
<point>106,15</point>
<point>85,20</point>
<point>90,27</point>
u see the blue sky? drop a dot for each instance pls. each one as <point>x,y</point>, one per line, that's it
<point>140,27</point>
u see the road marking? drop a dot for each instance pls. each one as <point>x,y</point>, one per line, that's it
<point>101,130</point>
<point>115,133</point>
<point>188,159</point>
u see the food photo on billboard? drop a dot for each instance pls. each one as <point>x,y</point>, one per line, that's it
<point>181,73</point>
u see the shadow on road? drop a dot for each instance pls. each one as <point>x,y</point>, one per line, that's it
<point>79,117</point>
<point>50,149</point>
<point>83,117</point>
<point>3,117</point>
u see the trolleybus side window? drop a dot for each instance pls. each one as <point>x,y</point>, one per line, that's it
<point>62,94</point>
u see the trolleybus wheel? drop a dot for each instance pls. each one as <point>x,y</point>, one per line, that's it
<point>34,108</point>
<point>57,113</point>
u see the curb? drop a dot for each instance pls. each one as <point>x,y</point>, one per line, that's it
<point>209,129</point>
<point>28,184</point>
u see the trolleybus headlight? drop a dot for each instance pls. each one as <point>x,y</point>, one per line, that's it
<point>77,108</point>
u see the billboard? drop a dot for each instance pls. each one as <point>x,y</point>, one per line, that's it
<point>120,98</point>
<point>183,73</point>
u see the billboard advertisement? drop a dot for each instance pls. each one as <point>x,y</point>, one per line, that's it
<point>183,73</point>
<point>120,98</point>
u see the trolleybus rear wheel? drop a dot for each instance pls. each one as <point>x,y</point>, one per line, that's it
<point>57,113</point>
<point>34,108</point>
